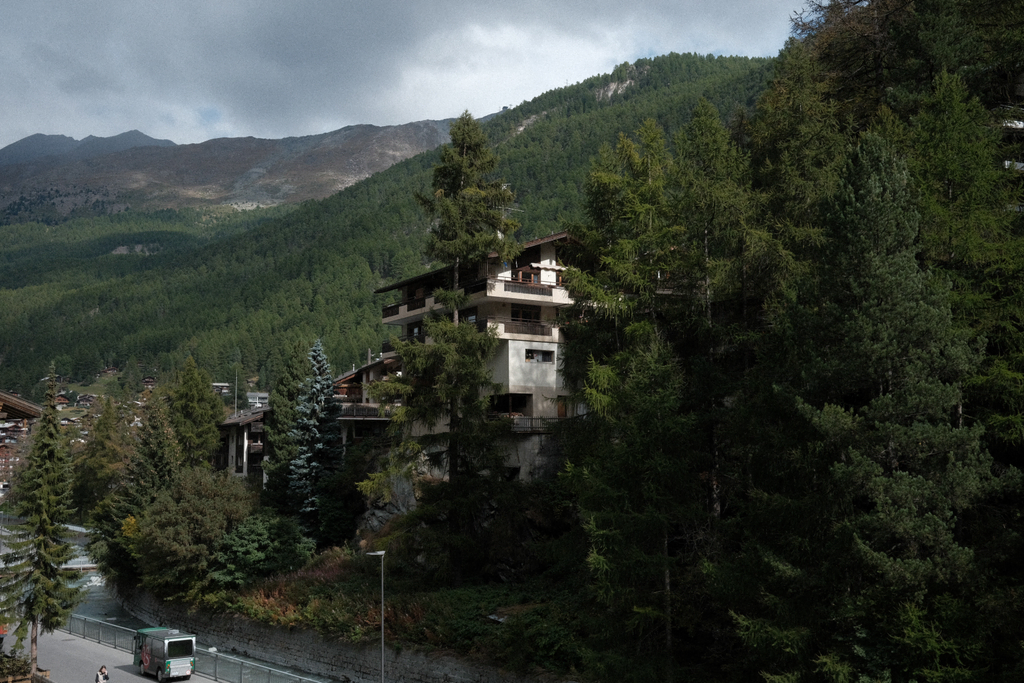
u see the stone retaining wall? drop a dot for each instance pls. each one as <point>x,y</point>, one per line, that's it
<point>306,650</point>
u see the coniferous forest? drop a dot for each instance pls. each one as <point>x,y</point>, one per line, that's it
<point>797,332</point>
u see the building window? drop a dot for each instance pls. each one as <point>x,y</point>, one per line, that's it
<point>539,356</point>
<point>523,314</point>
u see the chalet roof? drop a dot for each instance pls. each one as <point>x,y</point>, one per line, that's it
<point>349,378</point>
<point>15,407</point>
<point>444,271</point>
<point>245,417</point>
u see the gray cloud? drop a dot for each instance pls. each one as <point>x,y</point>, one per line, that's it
<point>192,70</point>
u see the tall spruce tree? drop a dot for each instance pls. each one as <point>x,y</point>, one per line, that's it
<point>320,444</point>
<point>98,466</point>
<point>467,207</point>
<point>857,559</point>
<point>38,592</point>
<point>280,421</point>
<point>150,467</point>
<point>195,413</point>
<point>968,235</point>
<point>445,383</point>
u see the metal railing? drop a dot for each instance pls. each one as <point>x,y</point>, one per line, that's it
<point>213,665</point>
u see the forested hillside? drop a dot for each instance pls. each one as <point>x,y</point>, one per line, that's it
<point>233,289</point>
<point>797,338</point>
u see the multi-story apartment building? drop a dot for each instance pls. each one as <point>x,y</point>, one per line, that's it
<point>520,300</point>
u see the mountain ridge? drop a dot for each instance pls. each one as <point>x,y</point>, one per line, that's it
<point>51,177</point>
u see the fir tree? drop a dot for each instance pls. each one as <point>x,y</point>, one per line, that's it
<point>320,444</point>
<point>38,593</point>
<point>664,270</point>
<point>858,558</point>
<point>98,466</point>
<point>279,422</point>
<point>468,209</point>
<point>152,466</point>
<point>195,413</point>
<point>445,384</point>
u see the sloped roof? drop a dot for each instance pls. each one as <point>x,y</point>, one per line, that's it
<point>245,417</point>
<point>14,406</point>
<point>444,271</point>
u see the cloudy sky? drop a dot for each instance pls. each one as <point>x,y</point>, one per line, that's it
<point>192,70</point>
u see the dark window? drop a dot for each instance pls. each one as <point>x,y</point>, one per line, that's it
<point>539,356</point>
<point>522,313</point>
<point>179,648</point>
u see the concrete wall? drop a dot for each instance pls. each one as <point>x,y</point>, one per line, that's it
<point>307,651</point>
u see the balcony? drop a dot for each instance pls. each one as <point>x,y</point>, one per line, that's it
<point>364,410</point>
<point>528,425</point>
<point>508,326</point>
<point>528,288</point>
<point>404,306</point>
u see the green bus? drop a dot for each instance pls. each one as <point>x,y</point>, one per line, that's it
<point>165,652</point>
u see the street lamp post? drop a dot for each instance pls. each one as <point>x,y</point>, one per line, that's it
<point>380,554</point>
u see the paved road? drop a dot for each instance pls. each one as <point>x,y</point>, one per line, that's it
<point>72,659</point>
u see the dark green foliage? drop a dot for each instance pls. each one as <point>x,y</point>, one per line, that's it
<point>97,467</point>
<point>854,541</point>
<point>320,447</point>
<point>38,593</point>
<point>468,207</point>
<point>442,398</point>
<point>279,423</point>
<point>152,466</point>
<point>180,536</point>
<point>261,545</point>
<point>195,412</point>
<point>969,236</point>
<point>15,666</point>
<point>441,403</point>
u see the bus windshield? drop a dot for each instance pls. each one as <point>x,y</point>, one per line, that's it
<point>179,648</point>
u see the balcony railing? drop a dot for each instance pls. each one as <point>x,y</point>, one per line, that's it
<point>365,410</point>
<point>511,286</point>
<point>528,288</point>
<point>540,329</point>
<point>528,425</point>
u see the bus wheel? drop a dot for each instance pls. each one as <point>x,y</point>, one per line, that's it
<point>142,669</point>
<point>160,675</point>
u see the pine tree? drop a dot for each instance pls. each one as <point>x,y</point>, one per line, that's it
<point>467,208</point>
<point>968,235</point>
<point>320,446</point>
<point>665,268</point>
<point>152,466</point>
<point>445,384</point>
<point>195,413</point>
<point>98,466</point>
<point>279,422</point>
<point>38,593</point>
<point>857,561</point>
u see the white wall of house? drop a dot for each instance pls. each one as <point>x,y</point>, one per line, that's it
<point>537,377</point>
